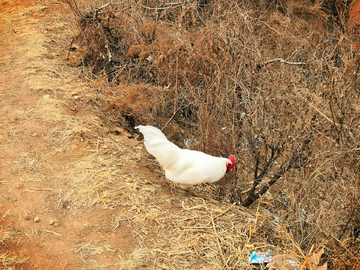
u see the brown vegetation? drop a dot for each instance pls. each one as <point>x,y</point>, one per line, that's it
<point>274,82</point>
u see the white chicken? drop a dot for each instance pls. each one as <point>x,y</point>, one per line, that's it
<point>182,166</point>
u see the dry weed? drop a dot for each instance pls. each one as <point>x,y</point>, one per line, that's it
<point>267,80</point>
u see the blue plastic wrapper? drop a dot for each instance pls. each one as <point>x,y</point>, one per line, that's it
<point>260,257</point>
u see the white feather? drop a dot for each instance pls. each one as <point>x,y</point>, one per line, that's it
<point>182,166</point>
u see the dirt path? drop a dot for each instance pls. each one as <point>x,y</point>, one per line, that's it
<point>27,184</point>
<point>38,228</point>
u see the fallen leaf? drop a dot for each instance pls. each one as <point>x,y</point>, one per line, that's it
<point>315,258</point>
<point>284,261</point>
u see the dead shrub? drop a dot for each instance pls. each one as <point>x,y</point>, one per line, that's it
<point>266,81</point>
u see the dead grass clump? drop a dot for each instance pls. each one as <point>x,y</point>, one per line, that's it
<point>8,259</point>
<point>6,234</point>
<point>270,82</point>
<point>51,109</point>
<point>97,179</point>
<point>132,100</point>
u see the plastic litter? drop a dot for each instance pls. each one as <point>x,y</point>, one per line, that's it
<point>257,258</point>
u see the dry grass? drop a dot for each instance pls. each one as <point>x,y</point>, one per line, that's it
<point>7,259</point>
<point>268,82</point>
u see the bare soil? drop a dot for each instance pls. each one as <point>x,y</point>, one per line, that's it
<point>32,47</point>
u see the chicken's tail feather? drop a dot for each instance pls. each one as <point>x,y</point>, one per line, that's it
<point>151,133</point>
<point>158,145</point>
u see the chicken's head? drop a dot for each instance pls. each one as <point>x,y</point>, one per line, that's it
<point>230,166</point>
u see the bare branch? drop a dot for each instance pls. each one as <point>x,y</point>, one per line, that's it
<point>284,62</point>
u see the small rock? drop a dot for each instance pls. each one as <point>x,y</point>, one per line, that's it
<point>18,186</point>
<point>129,180</point>
<point>36,219</point>
<point>27,217</point>
<point>54,222</point>
<point>32,162</point>
<point>118,130</point>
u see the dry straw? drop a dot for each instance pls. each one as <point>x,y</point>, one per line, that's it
<point>266,81</point>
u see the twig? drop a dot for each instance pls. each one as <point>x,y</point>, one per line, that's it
<point>6,214</point>
<point>217,238</point>
<point>302,33</point>
<point>171,118</point>
<point>197,253</point>
<point>222,213</point>
<point>173,5</point>
<point>271,27</point>
<point>111,4</point>
<point>284,62</point>
<point>124,219</point>
<point>40,189</point>
<point>227,210</point>
<point>253,229</point>
<point>27,235</point>
<point>76,251</point>
<point>57,234</point>
<point>47,210</point>
<point>315,108</point>
<point>158,250</point>
<point>218,242</point>
<point>347,223</point>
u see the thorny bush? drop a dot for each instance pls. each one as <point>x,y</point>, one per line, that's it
<point>274,82</point>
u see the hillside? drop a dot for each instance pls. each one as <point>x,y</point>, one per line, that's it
<point>275,83</point>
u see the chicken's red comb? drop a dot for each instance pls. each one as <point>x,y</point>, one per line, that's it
<point>232,159</point>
